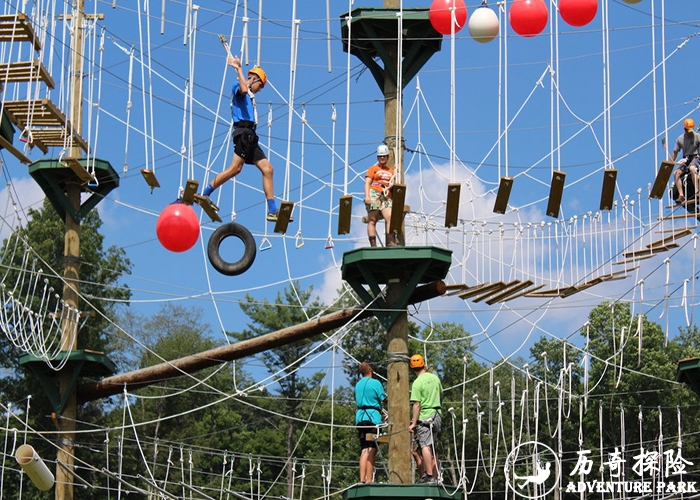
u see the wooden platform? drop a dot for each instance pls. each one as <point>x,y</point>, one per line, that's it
<point>26,71</point>
<point>17,28</point>
<point>48,125</point>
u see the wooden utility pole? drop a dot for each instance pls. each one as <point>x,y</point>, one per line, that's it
<point>66,421</point>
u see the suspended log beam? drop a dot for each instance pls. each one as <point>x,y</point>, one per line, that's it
<point>214,357</point>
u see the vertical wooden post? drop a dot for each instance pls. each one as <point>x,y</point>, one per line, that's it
<point>398,391</point>
<point>397,350</point>
<point>66,422</point>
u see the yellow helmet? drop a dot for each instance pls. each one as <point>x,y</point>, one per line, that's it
<point>689,124</point>
<point>417,361</point>
<point>258,71</point>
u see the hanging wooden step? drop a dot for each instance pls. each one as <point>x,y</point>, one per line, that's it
<point>519,287</point>
<point>521,293</point>
<point>501,286</point>
<point>669,239</point>
<point>482,289</point>
<point>48,125</point>
<point>617,275</point>
<point>26,71</point>
<point>661,182</point>
<point>650,251</point>
<point>18,28</point>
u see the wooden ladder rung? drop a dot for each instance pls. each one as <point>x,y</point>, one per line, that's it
<point>377,438</point>
<point>508,292</point>
<point>25,71</point>
<point>500,286</point>
<point>14,151</point>
<point>670,238</point>
<point>648,251</point>
<point>17,28</point>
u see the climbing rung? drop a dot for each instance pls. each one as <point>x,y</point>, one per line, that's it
<point>555,193</point>
<point>608,192</point>
<point>510,291</point>
<point>191,187</point>
<point>344,213</point>
<point>15,152</point>
<point>452,209</point>
<point>284,216</point>
<point>661,182</point>
<point>503,195</point>
<point>150,177</point>
<point>651,250</point>
<point>500,286</point>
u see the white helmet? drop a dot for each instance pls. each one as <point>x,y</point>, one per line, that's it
<point>383,150</point>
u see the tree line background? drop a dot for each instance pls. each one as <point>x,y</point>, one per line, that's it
<point>614,387</point>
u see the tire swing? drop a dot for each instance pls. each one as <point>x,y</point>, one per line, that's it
<point>231,268</point>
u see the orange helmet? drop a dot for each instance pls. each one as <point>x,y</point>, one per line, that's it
<point>258,71</point>
<point>689,124</point>
<point>417,361</point>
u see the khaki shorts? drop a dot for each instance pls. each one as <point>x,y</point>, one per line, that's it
<point>379,201</point>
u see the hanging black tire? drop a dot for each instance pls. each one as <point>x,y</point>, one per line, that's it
<point>231,268</point>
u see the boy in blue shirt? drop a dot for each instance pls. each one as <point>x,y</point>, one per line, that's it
<point>369,395</point>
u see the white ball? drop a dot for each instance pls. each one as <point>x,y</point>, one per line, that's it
<point>483,24</point>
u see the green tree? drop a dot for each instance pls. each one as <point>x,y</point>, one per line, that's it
<point>40,245</point>
<point>291,307</point>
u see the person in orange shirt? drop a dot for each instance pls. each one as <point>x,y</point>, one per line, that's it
<point>378,182</point>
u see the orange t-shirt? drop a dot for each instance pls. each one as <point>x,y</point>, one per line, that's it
<point>381,177</point>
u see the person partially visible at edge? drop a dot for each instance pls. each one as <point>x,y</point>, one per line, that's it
<point>426,421</point>
<point>378,181</point>
<point>369,396</point>
<point>245,139</point>
<point>689,142</point>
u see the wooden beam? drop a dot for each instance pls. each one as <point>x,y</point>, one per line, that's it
<point>284,216</point>
<point>398,197</point>
<point>15,152</point>
<point>214,357</point>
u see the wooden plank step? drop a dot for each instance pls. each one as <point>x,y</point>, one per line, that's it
<point>522,293</point>
<point>552,292</point>
<point>502,286</point>
<point>150,178</point>
<point>26,71</point>
<point>78,169</point>
<point>480,289</point>
<point>18,28</point>
<point>510,291</point>
<point>47,124</point>
<point>284,216</point>
<point>669,238</point>
<point>652,250</point>
<point>191,187</point>
<point>211,210</point>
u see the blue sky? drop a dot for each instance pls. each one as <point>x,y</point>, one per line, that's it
<point>551,91</point>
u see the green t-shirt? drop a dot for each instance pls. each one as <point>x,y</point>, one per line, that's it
<point>427,389</point>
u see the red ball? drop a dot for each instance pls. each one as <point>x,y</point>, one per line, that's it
<point>528,17</point>
<point>177,227</point>
<point>441,15</point>
<point>578,12</point>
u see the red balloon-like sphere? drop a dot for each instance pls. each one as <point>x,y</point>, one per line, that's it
<point>441,15</point>
<point>177,227</point>
<point>528,17</point>
<point>578,12</point>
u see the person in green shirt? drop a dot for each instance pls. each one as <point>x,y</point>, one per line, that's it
<point>426,397</point>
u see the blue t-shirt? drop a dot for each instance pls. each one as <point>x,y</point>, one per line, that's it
<point>241,105</point>
<point>369,395</point>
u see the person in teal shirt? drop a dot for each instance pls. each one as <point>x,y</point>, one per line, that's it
<point>369,395</point>
<point>426,396</point>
